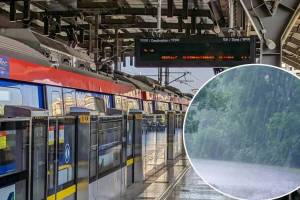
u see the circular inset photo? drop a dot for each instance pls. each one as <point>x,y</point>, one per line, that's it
<point>242,132</point>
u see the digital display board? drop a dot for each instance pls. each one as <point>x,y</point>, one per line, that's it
<point>194,52</point>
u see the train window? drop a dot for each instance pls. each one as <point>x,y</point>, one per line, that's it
<point>148,108</point>
<point>118,102</point>
<point>13,147</point>
<point>85,100</point>
<point>124,104</point>
<point>130,105</point>
<point>176,107</point>
<point>9,96</point>
<point>54,99</point>
<point>69,99</point>
<point>106,98</point>
<point>133,104</point>
<point>162,106</point>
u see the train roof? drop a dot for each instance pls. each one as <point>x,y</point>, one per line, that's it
<point>30,62</point>
<point>25,45</point>
<point>54,44</point>
<point>130,78</point>
<point>14,48</point>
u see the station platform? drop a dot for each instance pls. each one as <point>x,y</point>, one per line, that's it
<point>190,186</point>
<point>175,181</point>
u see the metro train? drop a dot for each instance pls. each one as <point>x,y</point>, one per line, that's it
<point>71,134</point>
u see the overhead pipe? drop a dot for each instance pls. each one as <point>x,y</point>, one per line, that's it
<point>231,15</point>
<point>159,15</point>
<point>96,49</point>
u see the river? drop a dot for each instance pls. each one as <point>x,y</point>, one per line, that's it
<point>248,181</point>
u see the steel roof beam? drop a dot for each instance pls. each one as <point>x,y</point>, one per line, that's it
<point>164,25</point>
<point>137,35</point>
<point>131,11</point>
<point>293,40</point>
<point>292,61</point>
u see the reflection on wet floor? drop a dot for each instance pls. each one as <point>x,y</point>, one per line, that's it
<point>157,184</point>
<point>192,187</point>
<point>161,185</point>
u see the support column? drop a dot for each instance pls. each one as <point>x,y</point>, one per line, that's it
<point>167,76</point>
<point>160,75</point>
<point>26,10</point>
<point>90,38</point>
<point>96,47</point>
<point>12,11</point>
<point>117,51</point>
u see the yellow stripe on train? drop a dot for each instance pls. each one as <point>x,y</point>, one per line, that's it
<point>133,160</point>
<point>129,162</point>
<point>63,194</point>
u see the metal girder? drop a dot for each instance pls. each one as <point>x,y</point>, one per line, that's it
<point>293,40</point>
<point>95,5</point>
<point>296,29</point>
<point>270,26</point>
<point>292,49</point>
<point>164,25</point>
<point>131,11</point>
<point>133,35</point>
<point>291,61</point>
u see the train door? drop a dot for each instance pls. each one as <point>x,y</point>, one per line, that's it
<point>14,156</point>
<point>39,157</point>
<point>61,159</point>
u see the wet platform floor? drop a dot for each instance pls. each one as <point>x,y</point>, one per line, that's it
<point>176,181</point>
<point>190,186</point>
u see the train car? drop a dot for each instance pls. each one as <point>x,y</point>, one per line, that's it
<point>51,167</point>
<point>26,80</point>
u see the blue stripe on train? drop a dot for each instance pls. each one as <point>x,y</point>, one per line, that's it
<point>4,169</point>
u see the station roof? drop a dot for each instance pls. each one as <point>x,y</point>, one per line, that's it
<point>129,18</point>
<point>291,48</point>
